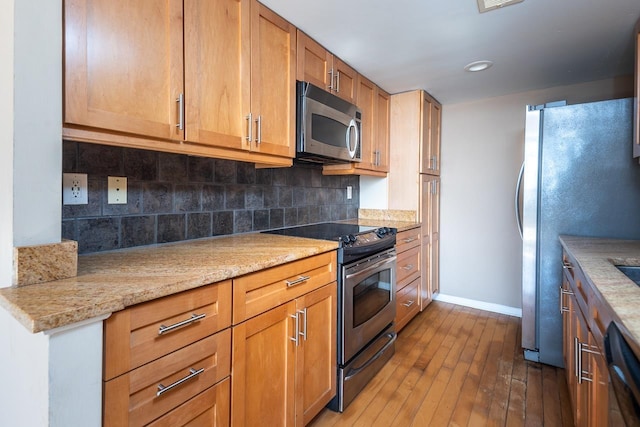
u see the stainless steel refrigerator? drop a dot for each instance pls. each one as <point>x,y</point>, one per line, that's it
<point>578,178</point>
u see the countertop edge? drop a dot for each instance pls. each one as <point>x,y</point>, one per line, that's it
<point>84,293</point>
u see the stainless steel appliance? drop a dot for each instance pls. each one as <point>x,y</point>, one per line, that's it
<point>366,301</point>
<point>579,178</point>
<point>624,369</point>
<point>328,127</point>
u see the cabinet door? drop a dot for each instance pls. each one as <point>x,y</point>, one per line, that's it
<point>314,62</point>
<point>273,82</point>
<point>316,358</point>
<point>434,138</point>
<point>430,218</point>
<point>430,133</point>
<point>345,83</point>
<point>599,387</point>
<point>382,129</point>
<point>425,134</point>
<point>366,103</point>
<point>263,369</point>
<point>124,66</point>
<point>217,73</point>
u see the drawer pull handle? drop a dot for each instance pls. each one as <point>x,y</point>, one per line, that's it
<point>192,374</point>
<point>299,280</point>
<point>194,318</point>
<point>567,266</point>
<point>408,303</point>
<point>409,239</point>
<point>408,267</point>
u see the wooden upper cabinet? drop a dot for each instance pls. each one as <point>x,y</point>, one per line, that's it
<point>216,76</point>
<point>123,66</point>
<point>367,104</point>
<point>273,82</point>
<point>374,103</point>
<point>345,81</point>
<point>216,66</point>
<point>320,67</point>
<point>382,117</point>
<point>314,62</point>
<point>430,135</point>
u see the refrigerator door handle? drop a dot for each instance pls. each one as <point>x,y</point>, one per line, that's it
<point>518,211</point>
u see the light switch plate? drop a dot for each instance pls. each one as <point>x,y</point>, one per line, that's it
<point>75,190</point>
<point>349,192</point>
<point>117,190</point>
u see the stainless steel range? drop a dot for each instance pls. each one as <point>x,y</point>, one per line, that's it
<point>366,301</point>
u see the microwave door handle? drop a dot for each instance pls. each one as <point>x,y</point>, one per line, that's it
<point>352,124</point>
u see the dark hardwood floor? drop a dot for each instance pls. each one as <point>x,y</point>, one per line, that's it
<point>457,366</point>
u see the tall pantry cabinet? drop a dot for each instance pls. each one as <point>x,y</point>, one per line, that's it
<point>414,175</point>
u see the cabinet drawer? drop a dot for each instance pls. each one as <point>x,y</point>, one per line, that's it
<point>407,304</point>
<point>259,292</point>
<point>209,408</point>
<point>142,333</point>
<point>408,267</point>
<point>132,399</point>
<point>408,239</point>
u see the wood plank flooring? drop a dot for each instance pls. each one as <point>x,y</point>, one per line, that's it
<point>457,366</point>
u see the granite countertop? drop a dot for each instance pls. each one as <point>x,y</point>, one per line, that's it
<point>111,281</point>
<point>399,225</point>
<point>597,259</point>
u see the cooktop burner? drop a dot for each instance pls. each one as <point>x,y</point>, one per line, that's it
<point>324,231</point>
<point>356,241</point>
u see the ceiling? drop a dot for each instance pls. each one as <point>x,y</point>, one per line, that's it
<point>410,44</point>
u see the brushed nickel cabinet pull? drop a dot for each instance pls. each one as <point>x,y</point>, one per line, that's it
<point>180,102</point>
<point>259,129</point>
<point>409,239</point>
<point>303,333</point>
<point>194,318</point>
<point>330,87</point>
<point>299,280</point>
<point>296,332</point>
<point>408,303</point>
<point>249,136</point>
<point>408,267</point>
<point>192,374</point>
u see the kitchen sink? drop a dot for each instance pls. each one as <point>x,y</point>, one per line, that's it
<point>631,271</point>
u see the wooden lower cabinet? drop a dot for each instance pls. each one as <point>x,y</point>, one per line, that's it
<point>408,277</point>
<point>583,321</point>
<point>284,362</point>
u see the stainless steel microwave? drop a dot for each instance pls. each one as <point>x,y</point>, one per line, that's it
<point>328,127</point>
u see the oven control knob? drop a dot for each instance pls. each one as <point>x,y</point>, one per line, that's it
<point>352,239</point>
<point>381,232</point>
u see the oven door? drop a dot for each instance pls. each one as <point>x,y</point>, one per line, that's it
<point>368,302</point>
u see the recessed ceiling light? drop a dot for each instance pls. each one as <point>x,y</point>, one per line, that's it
<point>478,66</point>
<point>487,5</point>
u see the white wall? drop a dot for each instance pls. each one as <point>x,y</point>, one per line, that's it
<point>30,182</point>
<point>374,193</point>
<point>482,150</point>
<point>6,144</point>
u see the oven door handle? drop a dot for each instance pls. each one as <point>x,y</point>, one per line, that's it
<point>393,336</point>
<point>387,260</point>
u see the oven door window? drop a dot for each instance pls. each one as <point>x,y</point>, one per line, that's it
<point>370,296</point>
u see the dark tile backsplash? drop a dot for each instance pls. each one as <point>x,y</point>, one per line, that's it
<point>172,197</point>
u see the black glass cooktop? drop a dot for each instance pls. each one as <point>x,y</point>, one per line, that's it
<point>324,231</point>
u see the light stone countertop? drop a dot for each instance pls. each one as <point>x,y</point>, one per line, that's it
<point>597,259</point>
<point>399,225</point>
<point>111,281</point>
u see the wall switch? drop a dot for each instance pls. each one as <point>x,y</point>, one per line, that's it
<point>117,190</point>
<point>349,192</point>
<point>75,189</point>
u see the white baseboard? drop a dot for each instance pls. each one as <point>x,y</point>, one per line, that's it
<point>480,305</point>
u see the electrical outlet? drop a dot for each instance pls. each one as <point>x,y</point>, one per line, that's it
<point>75,189</point>
<point>349,192</point>
<point>117,190</point>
